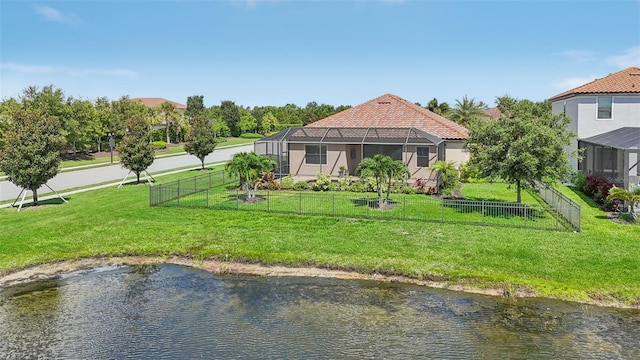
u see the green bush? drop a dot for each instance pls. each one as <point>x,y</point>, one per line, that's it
<point>323,183</point>
<point>251,136</point>
<point>300,185</point>
<point>470,174</point>
<point>344,183</point>
<point>357,186</point>
<point>286,183</point>
<point>578,178</point>
<point>159,145</point>
<point>408,190</point>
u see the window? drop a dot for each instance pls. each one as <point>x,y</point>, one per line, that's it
<point>315,154</point>
<point>604,107</point>
<point>393,151</point>
<point>423,156</point>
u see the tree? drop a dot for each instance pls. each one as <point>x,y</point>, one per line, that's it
<point>466,111</point>
<point>247,123</point>
<point>202,138</point>
<point>449,174</point>
<point>79,123</point>
<point>195,106</point>
<point>136,152</point>
<point>442,109</point>
<point>231,116</point>
<point>31,154</point>
<point>526,147</point>
<point>248,167</point>
<point>269,122</point>
<point>170,116</point>
<point>383,169</point>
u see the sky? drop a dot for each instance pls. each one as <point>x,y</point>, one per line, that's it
<point>278,52</point>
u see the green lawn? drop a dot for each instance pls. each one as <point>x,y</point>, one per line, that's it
<point>600,263</point>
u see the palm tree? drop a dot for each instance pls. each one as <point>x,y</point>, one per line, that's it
<point>629,197</point>
<point>169,115</point>
<point>441,109</point>
<point>382,168</point>
<point>248,167</point>
<point>449,175</point>
<point>466,111</point>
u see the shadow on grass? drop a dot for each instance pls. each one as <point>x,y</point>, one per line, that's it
<point>494,208</point>
<point>374,203</point>
<point>42,203</point>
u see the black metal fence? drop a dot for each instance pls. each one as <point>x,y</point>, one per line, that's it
<point>197,193</point>
<point>564,209</point>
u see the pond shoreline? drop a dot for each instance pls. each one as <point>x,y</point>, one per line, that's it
<point>47,271</point>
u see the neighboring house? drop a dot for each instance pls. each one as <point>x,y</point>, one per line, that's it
<point>493,113</point>
<point>385,125</point>
<point>602,105</point>
<point>155,102</point>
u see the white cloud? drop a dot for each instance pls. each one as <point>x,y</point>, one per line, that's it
<point>579,55</point>
<point>573,82</point>
<point>48,69</point>
<point>55,15</point>
<point>629,57</point>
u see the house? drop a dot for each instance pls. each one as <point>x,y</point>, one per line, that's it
<point>386,125</point>
<point>155,102</point>
<point>609,106</point>
<point>602,105</point>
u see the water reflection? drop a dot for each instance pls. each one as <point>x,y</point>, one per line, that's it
<point>179,312</point>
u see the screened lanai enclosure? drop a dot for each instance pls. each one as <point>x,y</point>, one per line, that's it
<point>306,151</point>
<point>614,155</point>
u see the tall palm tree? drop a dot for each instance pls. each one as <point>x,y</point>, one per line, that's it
<point>382,168</point>
<point>467,110</point>
<point>170,116</point>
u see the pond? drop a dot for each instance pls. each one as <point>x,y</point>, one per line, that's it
<point>171,311</point>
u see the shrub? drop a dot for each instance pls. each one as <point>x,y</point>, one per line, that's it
<point>470,173</point>
<point>159,145</point>
<point>357,186</point>
<point>251,136</point>
<point>286,183</point>
<point>408,190</point>
<point>300,185</point>
<point>597,187</point>
<point>344,183</point>
<point>578,179</point>
<point>323,182</point>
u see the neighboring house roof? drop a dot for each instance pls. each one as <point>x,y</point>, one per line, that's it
<point>390,111</point>
<point>155,102</point>
<point>622,138</point>
<point>493,113</point>
<point>626,81</point>
<point>353,135</point>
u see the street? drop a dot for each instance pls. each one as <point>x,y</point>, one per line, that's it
<point>111,173</point>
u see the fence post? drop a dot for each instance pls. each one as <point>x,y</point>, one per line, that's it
<point>482,212</point>
<point>404,206</point>
<point>209,180</point>
<point>207,198</point>
<point>333,204</point>
<point>268,201</point>
<point>178,198</point>
<point>237,200</point>
<point>299,202</point>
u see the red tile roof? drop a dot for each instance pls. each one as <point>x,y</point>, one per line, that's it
<point>390,111</point>
<point>625,81</point>
<point>155,102</point>
<point>493,113</point>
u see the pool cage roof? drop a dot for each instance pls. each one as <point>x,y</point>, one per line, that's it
<point>355,135</point>
<point>622,138</point>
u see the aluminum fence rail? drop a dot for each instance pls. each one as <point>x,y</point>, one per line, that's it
<point>362,205</point>
<point>173,191</point>
<point>564,209</point>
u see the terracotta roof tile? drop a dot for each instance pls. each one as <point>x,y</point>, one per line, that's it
<point>391,111</point>
<point>625,81</point>
<point>155,102</point>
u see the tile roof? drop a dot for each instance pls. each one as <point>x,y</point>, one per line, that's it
<point>391,111</point>
<point>155,102</point>
<point>625,81</point>
<point>493,113</point>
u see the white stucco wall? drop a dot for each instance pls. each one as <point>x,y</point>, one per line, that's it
<point>582,110</point>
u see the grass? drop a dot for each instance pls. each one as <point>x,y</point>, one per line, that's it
<point>601,263</point>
